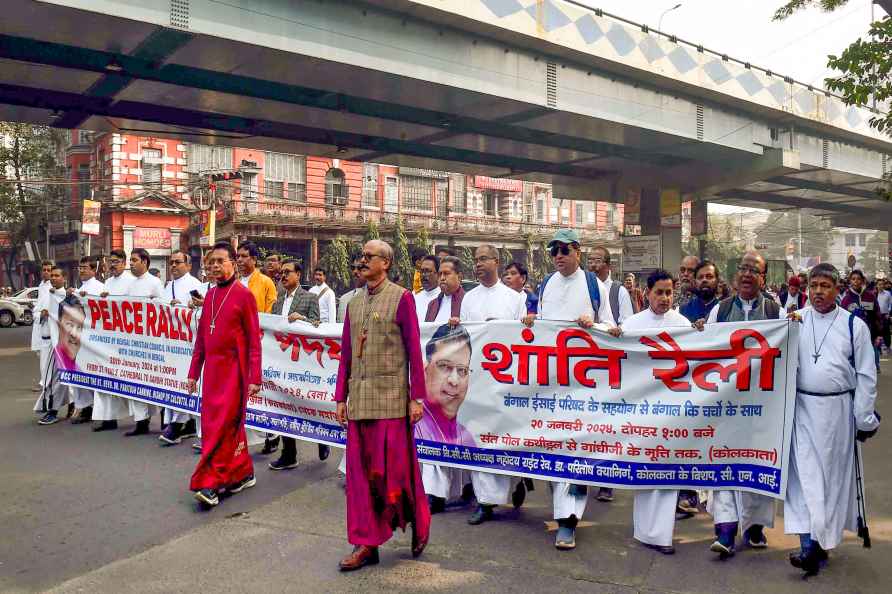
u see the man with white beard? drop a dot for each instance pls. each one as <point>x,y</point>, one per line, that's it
<point>654,509</point>
<point>835,397</point>
<point>144,284</point>
<point>491,300</point>
<point>179,425</point>
<point>108,408</point>
<point>570,294</point>
<point>90,285</point>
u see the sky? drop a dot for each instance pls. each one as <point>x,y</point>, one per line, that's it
<point>797,47</point>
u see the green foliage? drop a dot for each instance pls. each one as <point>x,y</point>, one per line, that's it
<point>466,255</point>
<point>371,232</point>
<point>402,264</point>
<point>875,257</point>
<point>795,5</point>
<point>423,241</point>
<point>336,263</point>
<point>505,257</point>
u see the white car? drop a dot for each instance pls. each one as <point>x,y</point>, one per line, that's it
<point>12,313</point>
<point>26,297</point>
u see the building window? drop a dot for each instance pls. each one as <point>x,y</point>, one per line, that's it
<point>336,190</point>
<point>459,194</point>
<point>281,171</point>
<point>862,239</point>
<point>152,167</point>
<point>611,217</point>
<point>580,214</point>
<point>391,194</point>
<point>83,175</point>
<point>490,203</point>
<point>369,185</point>
<point>541,194</point>
<point>84,137</point>
<point>273,190</point>
<point>417,192</point>
<point>850,240</point>
<point>249,186</point>
<point>442,189</point>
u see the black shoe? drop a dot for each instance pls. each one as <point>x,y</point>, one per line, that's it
<point>141,428</point>
<point>324,451</point>
<point>207,498</point>
<point>83,416</point>
<point>437,504</point>
<point>808,561</point>
<point>270,446</point>
<point>281,464</point>
<point>666,550</point>
<point>70,410</point>
<point>245,483</point>
<point>483,513</point>
<point>519,495</point>
<point>172,435</point>
<point>49,418</point>
<point>467,493</point>
<point>755,538</point>
<point>605,494</point>
<point>105,425</point>
<point>189,429</point>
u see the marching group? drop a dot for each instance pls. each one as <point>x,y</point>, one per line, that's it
<point>381,389</point>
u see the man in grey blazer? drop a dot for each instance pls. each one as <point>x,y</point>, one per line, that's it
<point>295,304</point>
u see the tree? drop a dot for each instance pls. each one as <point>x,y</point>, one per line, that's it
<point>336,264</point>
<point>779,238</point>
<point>28,152</point>
<point>875,257</point>
<point>371,232</point>
<point>865,65</point>
<point>506,257</point>
<point>402,264</point>
<point>467,261</point>
<point>423,241</point>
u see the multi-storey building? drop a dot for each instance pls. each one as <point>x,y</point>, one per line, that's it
<point>296,204</point>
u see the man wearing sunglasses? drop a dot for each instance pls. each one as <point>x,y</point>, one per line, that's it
<point>491,300</point>
<point>729,508</point>
<point>570,294</point>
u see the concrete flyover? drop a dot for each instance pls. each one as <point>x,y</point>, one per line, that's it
<point>543,90</point>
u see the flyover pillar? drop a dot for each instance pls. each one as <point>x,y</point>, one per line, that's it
<point>661,215</point>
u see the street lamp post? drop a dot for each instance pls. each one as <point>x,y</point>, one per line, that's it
<point>668,10</point>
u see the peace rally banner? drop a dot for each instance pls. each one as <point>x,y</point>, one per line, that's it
<point>667,408</point>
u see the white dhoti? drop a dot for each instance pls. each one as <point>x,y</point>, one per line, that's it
<point>821,482</point>
<point>342,468</point>
<point>140,411</point>
<point>441,481</point>
<point>491,488</point>
<point>46,355</point>
<point>653,514</point>
<point>108,407</point>
<point>255,437</point>
<point>565,504</point>
<point>747,509</point>
<point>82,397</point>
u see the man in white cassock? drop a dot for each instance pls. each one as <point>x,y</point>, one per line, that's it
<point>740,510</point>
<point>570,294</point>
<point>108,409</point>
<point>178,291</point>
<point>53,395</point>
<point>835,397</point>
<point>144,284</point>
<point>430,288</point>
<point>40,330</point>
<point>90,285</point>
<point>491,300</point>
<point>654,509</point>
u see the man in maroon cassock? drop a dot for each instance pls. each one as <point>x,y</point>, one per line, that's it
<point>228,348</point>
<point>379,394</point>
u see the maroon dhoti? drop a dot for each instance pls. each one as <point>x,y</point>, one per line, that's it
<point>384,489</point>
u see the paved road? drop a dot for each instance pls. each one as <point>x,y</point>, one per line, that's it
<point>86,512</point>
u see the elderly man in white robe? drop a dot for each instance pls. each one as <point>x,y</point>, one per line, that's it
<point>654,509</point>
<point>108,409</point>
<point>570,294</point>
<point>181,290</point>
<point>40,330</point>
<point>491,300</point>
<point>835,397</point>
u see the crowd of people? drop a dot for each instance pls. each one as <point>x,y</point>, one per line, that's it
<point>383,380</point>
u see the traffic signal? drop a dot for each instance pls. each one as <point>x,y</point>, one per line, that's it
<point>229,175</point>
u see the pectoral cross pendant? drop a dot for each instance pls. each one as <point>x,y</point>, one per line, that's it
<point>816,356</point>
<point>212,327</point>
<point>361,344</point>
